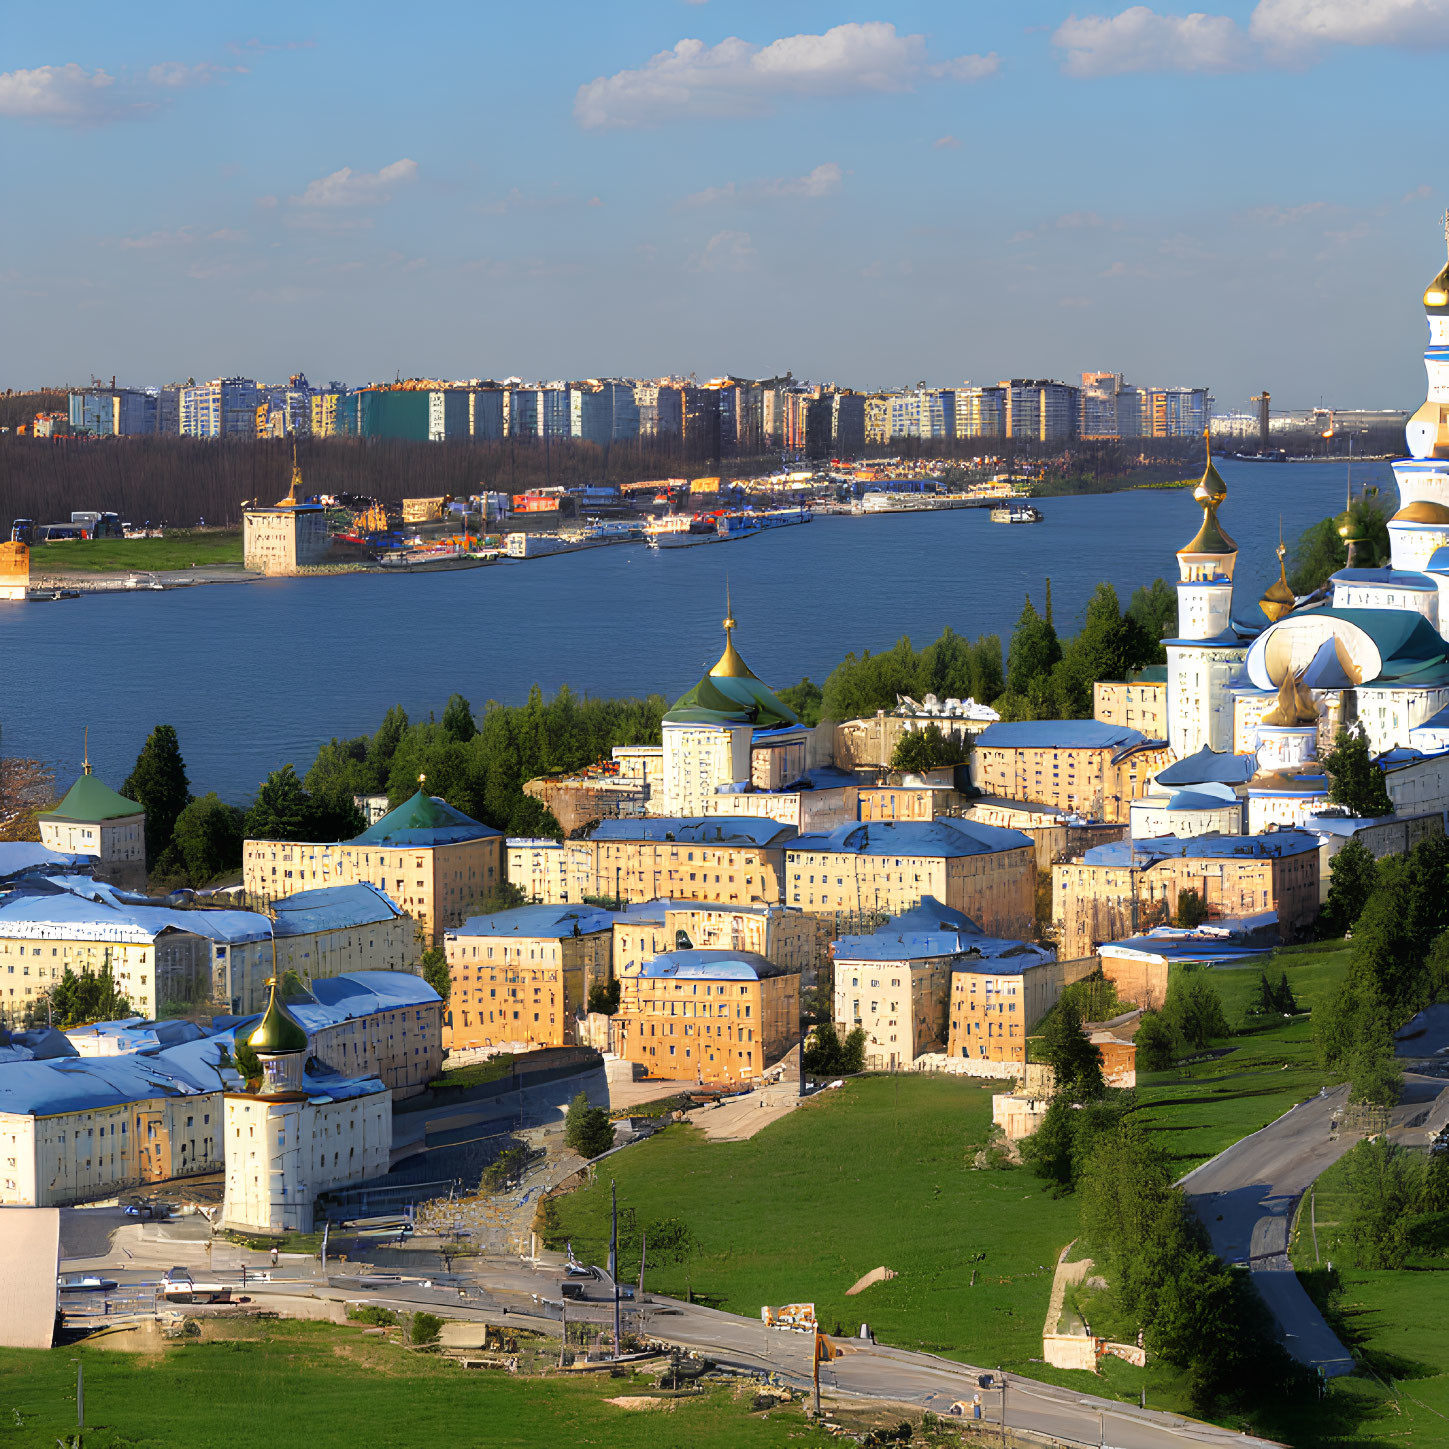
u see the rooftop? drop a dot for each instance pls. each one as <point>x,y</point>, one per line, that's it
<point>552,923</point>
<point>705,965</point>
<point>697,830</point>
<point>1209,767</point>
<point>90,800</point>
<point>1213,846</point>
<point>947,837</point>
<point>333,908</point>
<point>1058,734</point>
<point>424,820</point>
<point>731,694</point>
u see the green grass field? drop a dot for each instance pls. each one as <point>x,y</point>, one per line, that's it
<point>179,550</point>
<point>877,1174</point>
<point>1200,1109</point>
<point>313,1386</point>
<point>1392,1319</point>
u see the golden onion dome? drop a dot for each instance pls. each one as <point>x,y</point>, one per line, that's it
<point>279,1031</point>
<point>1210,486</point>
<point>1279,598</point>
<point>1422,511</point>
<point>1436,295</point>
<point>731,665</point>
<point>1211,537</point>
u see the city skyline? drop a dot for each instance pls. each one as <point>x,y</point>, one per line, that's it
<point>866,196</point>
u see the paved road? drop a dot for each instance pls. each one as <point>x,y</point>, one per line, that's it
<point>510,1291</point>
<point>1247,1196</point>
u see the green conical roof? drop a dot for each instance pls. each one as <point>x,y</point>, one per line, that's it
<point>730,699</point>
<point>424,820</point>
<point>91,800</point>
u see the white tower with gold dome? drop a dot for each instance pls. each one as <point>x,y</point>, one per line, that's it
<point>1208,649</point>
<point>1421,526</point>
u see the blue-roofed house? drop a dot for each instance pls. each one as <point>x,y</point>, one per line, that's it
<point>734,860</point>
<point>1139,966</point>
<point>896,984</point>
<point>520,979</point>
<point>434,862</point>
<point>1084,767</point>
<point>719,1018</point>
<point>1120,890</point>
<point>987,873</point>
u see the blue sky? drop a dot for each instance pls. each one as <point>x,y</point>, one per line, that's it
<point>871,194</point>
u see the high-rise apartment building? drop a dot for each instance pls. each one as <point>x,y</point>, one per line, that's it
<point>1040,410</point>
<point>485,413</point>
<point>449,414</point>
<point>661,410</point>
<point>701,424</point>
<point>112,412</point>
<point>1109,408</point>
<point>224,408</point>
<point>603,412</point>
<point>847,423</point>
<point>927,413</point>
<point>980,412</point>
<point>877,420</point>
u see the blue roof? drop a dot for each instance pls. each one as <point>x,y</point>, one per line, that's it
<point>552,922</point>
<point>135,1034</point>
<point>1202,800</point>
<point>1438,560</point>
<point>19,856</point>
<point>111,919</point>
<point>77,1084</point>
<point>1398,578</point>
<point>361,993</point>
<point>333,908</point>
<point>698,830</point>
<point>1201,847</point>
<point>704,965</point>
<point>1186,948</point>
<point>1439,721</point>
<point>967,950</point>
<point>1058,734</point>
<point>1209,766</point>
<point>928,914</point>
<point>947,837</point>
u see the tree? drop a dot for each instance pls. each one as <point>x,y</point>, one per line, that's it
<point>574,1120</point>
<point>282,809</point>
<point>926,749</point>
<point>458,719</point>
<point>1321,550</point>
<point>1373,1076</point>
<point>1034,652</point>
<point>435,971</point>
<point>1354,873</point>
<point>206,841</point>
<point>248,1063</point>
<point>1191,911</point>
<point>1283,997</point>
<point>852,1052</point>
<point>1075,1061</point>
<point>1354,781</point>
<point>1157,1043</point>
<point>604,997</point>
<point>804,699</point>
<point>1154,609</point>
<point>1194,1010</point>
<point>424,1329</point>
<point>821,1054</point>
<point>158,784</point>
<point>1384,1183</point>
<point>596,1134</point>
<point>1109,645</point>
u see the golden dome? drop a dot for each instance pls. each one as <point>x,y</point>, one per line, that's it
<point>1295,705</point>
<point>1210,538</point>
<point>731,665</point>
<point>1422,512</point>
<point>1279,599</point>
<point>1436,295</point>
<point>279,1031</point>
<point>1210,485</point>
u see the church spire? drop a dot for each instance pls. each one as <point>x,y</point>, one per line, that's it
<point>86,761</point>
<point>1279,598</point>
<point>731,665</point>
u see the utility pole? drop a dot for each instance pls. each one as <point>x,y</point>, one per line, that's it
<point>80,1401</point>
<point>1003,1408</point>
<point>614,1256</point>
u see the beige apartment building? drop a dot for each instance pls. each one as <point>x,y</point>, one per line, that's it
<point>434,862</point>
<point>537,867</point>
<point>1120,890</point>
<point>699,858</point>
<point>1081,767</point>
<point>521,978</point>
<point>1137,704</point>
<point>787,938</point>
<point>995,1003</point>
<point>986,873</point>
<point>720,1018</point>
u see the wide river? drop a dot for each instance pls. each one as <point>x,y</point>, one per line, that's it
<point>254,675</point>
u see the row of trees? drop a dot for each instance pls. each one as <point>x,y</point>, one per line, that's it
<point>1397,1204</point>
<point>1398,910</point>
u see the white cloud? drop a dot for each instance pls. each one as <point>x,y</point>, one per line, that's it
<point>823,181</point>
<point>1139,39</point>
<point>945,143</point>
<point>1292,24</point>
<point>64,93</point>
<point>738,77</point>
<point>725,251</point>
<point>173,74</point>
<point>357,188</point>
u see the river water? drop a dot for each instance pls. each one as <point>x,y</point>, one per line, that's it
<point>254,675</point>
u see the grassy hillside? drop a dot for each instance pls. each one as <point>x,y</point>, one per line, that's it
<point>178,550</point>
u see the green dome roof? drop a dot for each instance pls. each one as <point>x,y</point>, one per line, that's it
<point>730,699</point>
<point>424,820</point>
<point>91,800</point>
